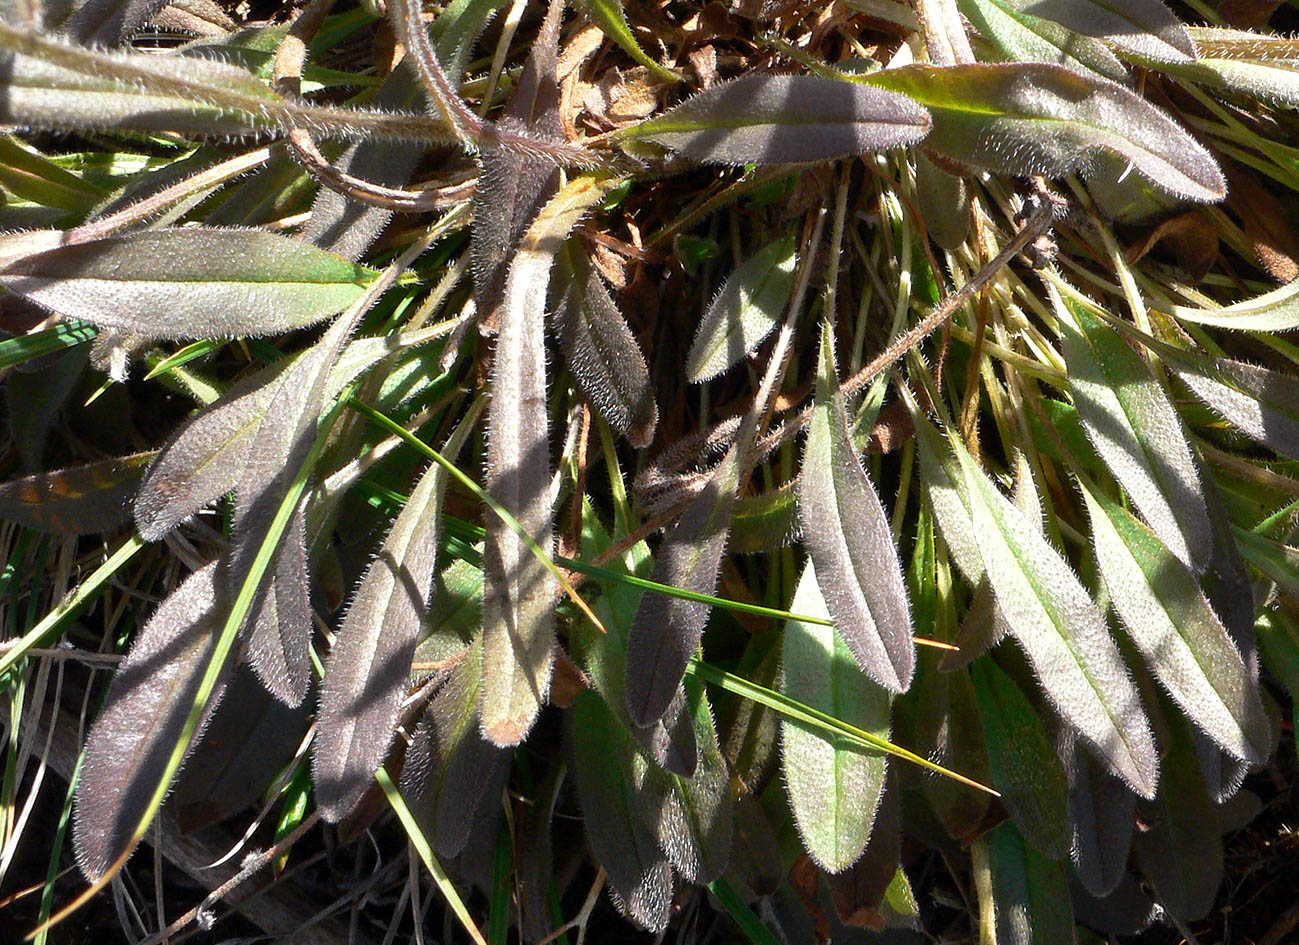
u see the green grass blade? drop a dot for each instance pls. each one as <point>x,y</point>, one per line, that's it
<point>739,910</point>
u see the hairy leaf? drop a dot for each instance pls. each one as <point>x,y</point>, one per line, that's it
<point>1181,638</point>
<point>369,668</point>
<point>744,312</point>
<point>518,610</point>
<point>107,22</point>
<point>79,500</point>
<point>849,540</point>
<point>1035,118</point>
<point>1137,431</point>
<point>1259,65</point>
<point>131,742</point>
<point>667,630</point>
<point>610,778</point>
<point>1102,820</point>
<point>191,282</point>
<point>278,626</point>
<point>833,787</point>
<point>1021,36</point>
<point>1029,892</point>
<point>610,17</point>
<point>451,770</point>
<point>601,350</point>
<point>1145,27</point>
<point>784,119</point>
<point>1022,762</point>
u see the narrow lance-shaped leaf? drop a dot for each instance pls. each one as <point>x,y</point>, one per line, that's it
<point>1035,118</point>
<point>1277,310</point>
<point>784,119</point>
<point>518,610</point>
<point>1101,819</point>
<point>1022,762</point>
<point>1047,610</point>
<point>1027,38</point>
<point>451,771</point>
<point>79,500</point>
<point>1137,431</point>
<point>369,667</point>
<point>744,312</point>
<point>192,282</point>
<point>1260,65</point>
<point>1176,630</point>
<point>1028,893</point>
<point>148,702</point>
<point>601,350</point>
<point>610,17</point>
<point>848,537</point>
<point>1145,27</point>
<point>618,813</point>
<point>834,787</point>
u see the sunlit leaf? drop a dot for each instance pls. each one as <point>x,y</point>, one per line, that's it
<point>1259,65</point>
<point>1021,36</point>
<point>1181,638</point>
<point>1277,310</point>
<point>192,282</point>
<point>848,537</point>
<point>601,350</point>
<point>518,610</point>
<point>784,119</point>
<point>744,312</point>
<point>144,716</point>
<point>1145,27</point>
<point>834,787</point>
<point>1035,118</point>
<point>1135,428</point>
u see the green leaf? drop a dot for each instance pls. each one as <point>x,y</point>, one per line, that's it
<point>610,17</point>
<point>1277,310</point>
<point>1034,118</point>
<point>1177,631</point>
<point>834,786</point>
<point>191,282</point>
<point>1259,65</point>
<point>30,175</point>
<point>1137,431</point>
<point>744,312</point>
<point>1024,894</point>
<point>1023,764</point>
<point>784,119</point>
<point>1027,38</point>
<point>133,739</point>
<point>849,539</point>
<point>1145,27</point>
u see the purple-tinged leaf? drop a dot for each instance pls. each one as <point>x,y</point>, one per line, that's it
<point>1023,37</point>
<point>191,282</point>
<point>1172,624</point>
<point>667,630</point>
<point>79,500</point>
<point>132,741</point>
<point>278,626</point>
<point>744,312</point>
<point>1145,27</point>
<point>784,119</point>
<point>1102,818</point>
<point>1033,118</point>
<point>834,788</point>
<point>601,350</point>
<point>518,609</point>
<point>1136,430</point>
<point>849,540</point>
<point>369,667</point>
<point>450,768</point>
<point>620,808</point>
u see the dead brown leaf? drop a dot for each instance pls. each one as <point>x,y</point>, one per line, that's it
<point>1191,237</point>
<point>1268,228</point>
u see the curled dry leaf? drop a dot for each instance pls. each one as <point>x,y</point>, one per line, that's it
<point>1035,118</point>
<point>784,119</point>
<point>144,716</point>
<point>849,539</point>
<point>744,312</point>
<point>191,282</point>
<point>834,788</point>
